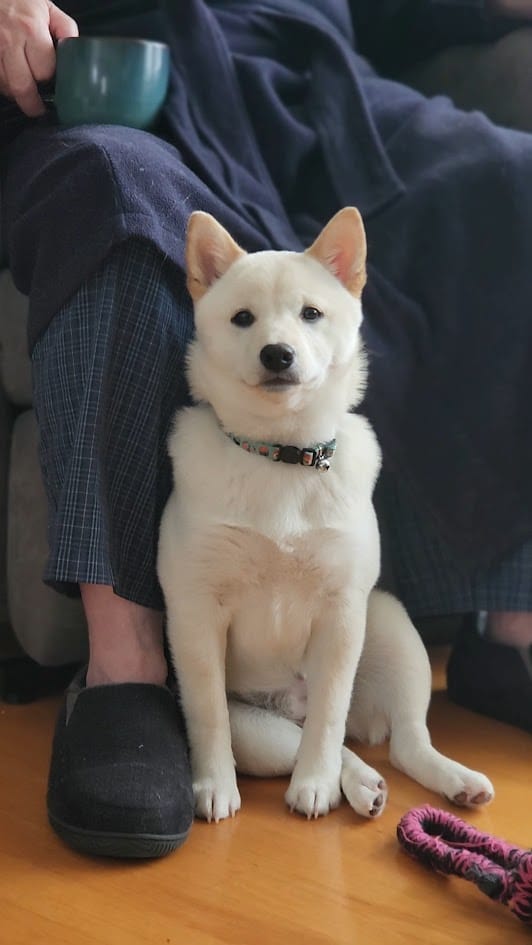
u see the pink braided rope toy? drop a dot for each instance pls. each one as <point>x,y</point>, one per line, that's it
<point>448,845</point>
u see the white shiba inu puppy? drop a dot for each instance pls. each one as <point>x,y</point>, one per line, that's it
<point>268,558</point>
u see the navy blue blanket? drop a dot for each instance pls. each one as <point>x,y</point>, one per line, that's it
<point>273,122</point>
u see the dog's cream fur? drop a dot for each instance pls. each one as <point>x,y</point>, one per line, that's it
<point>268,569</point>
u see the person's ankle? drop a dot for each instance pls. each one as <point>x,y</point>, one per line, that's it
<point>111,672</point>
<point>512,628</point>
<point>125,639</point>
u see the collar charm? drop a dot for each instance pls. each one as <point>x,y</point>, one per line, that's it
<point>317,456</point>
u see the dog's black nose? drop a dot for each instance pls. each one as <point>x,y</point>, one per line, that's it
<point>277,357</point>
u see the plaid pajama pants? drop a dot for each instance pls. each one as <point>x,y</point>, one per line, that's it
<point>426,574</point>
<point>108,376</point>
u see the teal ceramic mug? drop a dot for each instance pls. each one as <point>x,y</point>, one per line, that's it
<point>110,80</point>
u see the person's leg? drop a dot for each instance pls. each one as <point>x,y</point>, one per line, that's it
<point>490,668</point>
<point>513,627</point>
<point>448,329</point>
<point>493,78</point>
<point>125,639</point>
<point>108,376</point>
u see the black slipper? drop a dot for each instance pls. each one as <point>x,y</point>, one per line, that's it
<point>490,678</point>
<point>120,782</point>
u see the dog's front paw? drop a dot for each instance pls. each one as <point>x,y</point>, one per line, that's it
<point>216,798</point>
<point>464,787</point>
<point>313,796</point>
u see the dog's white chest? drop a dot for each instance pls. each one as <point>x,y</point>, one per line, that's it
<point>274,593</point>
<point>272,609</point>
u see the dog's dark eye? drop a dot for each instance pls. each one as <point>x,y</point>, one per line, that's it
<point>311,314</point>
<point>243,319</point>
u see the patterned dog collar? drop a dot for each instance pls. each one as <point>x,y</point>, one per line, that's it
<point>317,456</point>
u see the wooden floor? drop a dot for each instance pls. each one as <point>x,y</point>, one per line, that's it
<point>267,877</point>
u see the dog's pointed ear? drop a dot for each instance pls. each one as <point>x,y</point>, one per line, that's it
<point>341,248</point>
<point>210,250</point>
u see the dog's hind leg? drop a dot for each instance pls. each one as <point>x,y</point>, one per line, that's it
<point>264,744</point>
<point>391,696</point>
<point>364,787</point>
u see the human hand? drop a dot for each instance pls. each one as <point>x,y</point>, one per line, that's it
<point>515,9</point>
<point>27,54</point>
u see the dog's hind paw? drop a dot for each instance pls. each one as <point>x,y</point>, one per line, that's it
<point>363,787</point>
<point>216,800</point>
<point>313,797</point>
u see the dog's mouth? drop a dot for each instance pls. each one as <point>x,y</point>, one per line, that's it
<point>279,382</point>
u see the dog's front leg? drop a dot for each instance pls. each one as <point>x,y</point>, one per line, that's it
<point>197,635</point>
<point>331,661</point>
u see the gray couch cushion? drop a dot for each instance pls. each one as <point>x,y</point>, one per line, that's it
<point>14,361</point>
<point>50,627</point>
